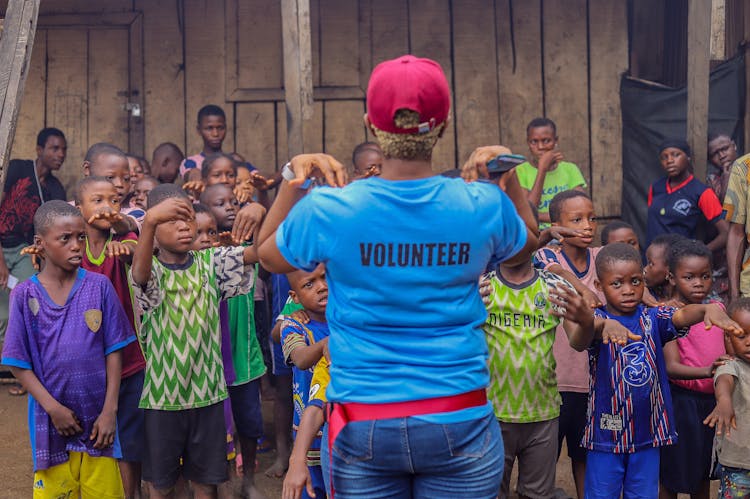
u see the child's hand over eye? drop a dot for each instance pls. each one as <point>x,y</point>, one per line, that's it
<point>722,417</point>
<point>116,248</point>
<point>297,478</point>
<point>65,421</point>
<point>617,334</point>
<point>247,220</point>
<point>103,430</point>
<point>170,210</point>
<point>108,215</point>
<point>715,316</point>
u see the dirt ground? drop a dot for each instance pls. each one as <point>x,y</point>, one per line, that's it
<point>15,458</point>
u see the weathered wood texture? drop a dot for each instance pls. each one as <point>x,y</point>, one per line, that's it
<point>16,45</point>
<point>699,32</point>
<point>506,61</point>
<point>298,80</point>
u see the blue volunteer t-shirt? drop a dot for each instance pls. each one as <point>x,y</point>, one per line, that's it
<point>403,260</point>
<point>630,405</point>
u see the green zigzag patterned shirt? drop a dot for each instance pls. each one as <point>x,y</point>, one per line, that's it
<point>180,333</point>
<point>520,332</point>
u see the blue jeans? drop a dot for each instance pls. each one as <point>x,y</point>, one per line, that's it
<point>410,458</point>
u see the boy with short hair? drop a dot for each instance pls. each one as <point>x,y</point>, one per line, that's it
<point>731,416</point>
<point>110,255</point>
<point>546,174</point>
<point>630,408</point>
<point>179,291</point>
<point>303,346</point>
<point>212,127</point>
<point>66,332</point>
<point>656,271</point>
<point>165,162</point>
<point>620,232</point>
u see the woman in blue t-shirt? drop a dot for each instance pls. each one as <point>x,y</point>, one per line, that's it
<point>403,253</point>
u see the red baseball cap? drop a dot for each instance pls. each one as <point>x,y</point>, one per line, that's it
<point>408,82</point>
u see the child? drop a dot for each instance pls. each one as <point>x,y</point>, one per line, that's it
<point>247,358</point>
<point>656,271</point>
<point>620,232</point>
<point>138,168</point>
<point>64,341</point>
<point>731,416</point>
<point>110,255</point>
<point>165,162</point>
<point>572,210</point>
<point>218,168</point>
<point>141,190</point>
<point>367,159</point>
<point>690,364</point>
<point>106,160</point>
<point>179,291</point>
<point>547,173</point>
<point>303,347</point>
<point>630,409</point>
<point>212,127</point>
<point>678,201</point>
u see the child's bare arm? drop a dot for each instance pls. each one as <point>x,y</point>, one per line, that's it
<point>168,210</point>
<point>588,296</point>
<point>298,476</point>
<point>677,370</point>
<point>723,417</point>
<point>304,357</point>
<point>103,430</point>
<point>64,420</point>
<point>710,313</point>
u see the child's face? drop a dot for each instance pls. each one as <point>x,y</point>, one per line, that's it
<point>52,155</point>
<point>141,190</point>
<point>99,197</point>
<point>657,270</point>
<point>624,235</point>
<point>578,213</point>
<point>692,279</point>
<point>741,344</point>
<point>674,161</point>
<point>136,169</point>
<point>166,166</point>
<point>224,206</point>
<point>206,231</point>
<point>310,289</point>
<point>63,242</point>
<point>369,159</point>
<point>212,130</point>
<point>541,140</point>
<point>115,169</point>
<point>222,172</point>
<point>176,236</point>
<point>622,285</point>
<point>722,152</point>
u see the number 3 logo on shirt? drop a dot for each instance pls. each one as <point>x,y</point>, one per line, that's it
<point>637,371</point>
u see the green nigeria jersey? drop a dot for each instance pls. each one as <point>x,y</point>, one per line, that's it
<point>520,332</point>
<point>181,334</point>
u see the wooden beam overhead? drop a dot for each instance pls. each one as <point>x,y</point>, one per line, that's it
<point>298,80</point>
<point>16,44</point>
<point>699,54</point>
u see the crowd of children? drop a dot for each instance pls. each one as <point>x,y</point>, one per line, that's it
<point>427,309</point>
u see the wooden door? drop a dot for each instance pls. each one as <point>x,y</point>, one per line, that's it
<point>81,81</point>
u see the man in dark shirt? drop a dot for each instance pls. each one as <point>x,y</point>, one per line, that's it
<point>28,184</point>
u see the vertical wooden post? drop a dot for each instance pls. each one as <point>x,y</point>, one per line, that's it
<point>16,43</point>
<point>298,82</point>
<point>699,34</point>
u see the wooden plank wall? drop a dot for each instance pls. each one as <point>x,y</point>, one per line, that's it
<point>507,61</point>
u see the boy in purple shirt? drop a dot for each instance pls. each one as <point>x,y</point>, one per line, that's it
<point>65,333</point>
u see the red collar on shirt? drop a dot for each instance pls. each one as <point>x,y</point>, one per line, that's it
<point>670,190</point>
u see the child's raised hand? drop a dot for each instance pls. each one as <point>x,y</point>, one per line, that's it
<point>617,334</point>
<point>116,249</point>
<point>476,166</point>
<point>559,233</point>
<point>196,187</point>
<point>722,417</point>
<point>65,421</point>
<point>243,193</point>
<point>720,361</point>
<point>715,316</point>
<point>297,478</point>
<point>318,165</point>
<point>247,220</point>
<point>103,430</point>
<point>108,215</point>
<point>259,181</point>
<point>169,210</point>
<point>225,239</point>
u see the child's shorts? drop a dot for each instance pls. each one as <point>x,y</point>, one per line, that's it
<point>191,443</point>
<point>572,424</point>
<point>734,483</point>
<point>534,444</point>
<point>82,475</point>
<point>687,463</point>
<point>635,475</point>
<point>248,419</point>
<point>130,418</point>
